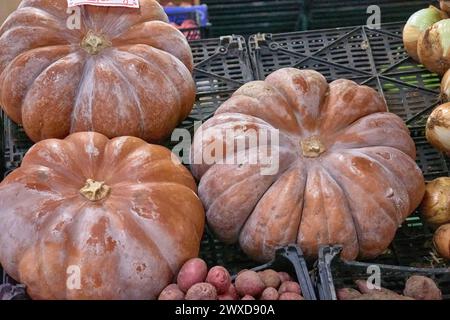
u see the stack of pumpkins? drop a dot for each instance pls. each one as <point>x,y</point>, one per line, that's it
<point>102,214</point>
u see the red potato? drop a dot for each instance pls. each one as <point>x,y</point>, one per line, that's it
<point>249,283</point>
<point>201,291</point>
<point>348,294</point>
<point>220,278</point>
<point>231,294</point>
<point>171,292</point>
<point>194,271</point>
<point>284,276</point>
<point>290,286</point>
<point>290,296</point>
<point>422,288</point>
<point>270,293</point>
<point>248,297</point>
<point>270,278</point>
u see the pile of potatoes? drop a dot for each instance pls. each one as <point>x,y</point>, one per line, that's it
<point>416,288</point>
<point>196,282</point>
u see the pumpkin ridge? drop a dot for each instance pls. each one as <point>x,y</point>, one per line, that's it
<point>347,205</point>
<point>183,111</point>
<point>4,74</point>
<point>170,81</point>
<point>87,73</point>
<point>362,251</point>
<point>399,214</point>
<point>126,79</point>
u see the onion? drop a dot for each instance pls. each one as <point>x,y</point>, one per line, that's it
<point>442,241</point>
<point>434,47</point>
<point>436,202</point>
<point>445,86</point>
<point>445,5</point>
<point>417,24</point>
<point>438,128</point>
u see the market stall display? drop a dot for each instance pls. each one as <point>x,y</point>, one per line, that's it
<point>93,202</point>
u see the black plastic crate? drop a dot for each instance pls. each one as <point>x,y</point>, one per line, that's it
<point>247,17</point>
<point>222,65</point>
<point>332,273</point>
<point>341,13</point>
<point>290,259</point>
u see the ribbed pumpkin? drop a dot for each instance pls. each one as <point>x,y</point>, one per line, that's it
<point>121,214</point>
<point>123,72</point>
<point>346,174</point>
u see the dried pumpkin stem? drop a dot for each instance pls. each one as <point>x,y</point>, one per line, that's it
<point>312,147</point>
<point>95,191</point>
<point>94,43</point>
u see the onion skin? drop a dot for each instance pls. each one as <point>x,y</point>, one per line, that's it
<point>434,47</point>
<point>445,86</point>
<point>438,128</point>
<point>442,241</point>
<point>445,5</point>
<point>418,23</point>
<point>435,205</point>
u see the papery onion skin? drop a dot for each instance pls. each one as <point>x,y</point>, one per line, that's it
<point>418,23</point>
<point>438,128</point>
<point>441,241</point>
<point>445,5</point>
<point>435,205</point>
<point>445,87</point>
<point>434,47</point>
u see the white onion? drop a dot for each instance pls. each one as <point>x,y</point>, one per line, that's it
<point>442,241</point>
<point>434,47</point>
<point>435,205</point>
<point>418,23</point>
<point>438,128</point>
<point>445,86</point>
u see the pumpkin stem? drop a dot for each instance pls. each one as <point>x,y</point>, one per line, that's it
<point>312,147</point>
<point>95,191</point>
<point>94,43</point>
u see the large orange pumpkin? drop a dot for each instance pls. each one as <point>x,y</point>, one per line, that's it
<point>346,174</point>
<point>120,214</point>
<point>123,72</point>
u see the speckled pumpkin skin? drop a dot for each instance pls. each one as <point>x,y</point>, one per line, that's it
<point>129,245</point>
<point>356,192</point>
<point>139,85</point>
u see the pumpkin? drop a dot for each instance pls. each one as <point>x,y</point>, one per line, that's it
<point>346,171</point>
<point>93,218</point>
<point>122,72</point>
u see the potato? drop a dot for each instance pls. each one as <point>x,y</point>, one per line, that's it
<point>284,276</point>
<point>270,293</point>
<point>441,241</point>
<point>202,291</point>
<point>220,278</point>
<point>347,294</point>
<point>231,294</point>
<point>249,283</point>
<point>248,297</point>
<point>290,286</point>
<point>171,292</point>
<point>378,295</point>
<point>194,271</point>
<point>362,286</point>
<point>422,288</point>
<point>290,296</point>
<point>270,278</point>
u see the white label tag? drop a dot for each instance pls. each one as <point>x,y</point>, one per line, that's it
<point>104,3</point>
